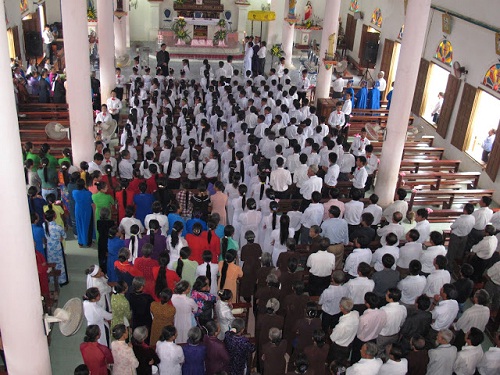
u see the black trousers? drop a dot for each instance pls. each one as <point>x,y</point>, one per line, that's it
<point>318,284</point>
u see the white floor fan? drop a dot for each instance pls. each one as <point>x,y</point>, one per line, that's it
<point>56,131</point>
<point>70,317</point>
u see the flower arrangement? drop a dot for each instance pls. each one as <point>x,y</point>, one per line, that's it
<point>179,2</point>
<point>221,34</point>
<point>179,28</point>
<point>221,23</point>
<point>277,51</point>
<point>91,13</point>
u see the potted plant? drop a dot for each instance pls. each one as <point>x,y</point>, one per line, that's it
<point>179,29</point>
<point>276,51</point>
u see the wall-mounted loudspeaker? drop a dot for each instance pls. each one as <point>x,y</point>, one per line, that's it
<point>33,44</point>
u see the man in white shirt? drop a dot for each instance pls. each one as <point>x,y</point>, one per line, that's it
<point>368,364</point>
<point>359,143</point>
<point>492,286</point>
<point>125,167</point>
<point>338,86</point>
<point>437,108</point>
<point>396,315</point>
<point>333,170</point>
<point>483,251</point>
<point>95,165</point>
<point>394,227</point>
<point>413,285</point>
<point>228,66</point>
<point>303,86</point>
<point>157,215</point>
<point>399,205</point>
<point>321,265</point>
<point>359,176</point>
<point>347,107</point>
<point>423,226</point>
<point>347,163</point>
<point>312,184</point>
<point>483,216</point>
<point>460,229</point>
<point>280,179</point>
<point>395,364</point>
<point>353,211</point>
<point>410,251</point>
<point>261,54</point>
<point>330,301</point>
<point>476,316</point>
<point>442,358</point>
<point>428,255</point>
<point>490,363</point>
<point>488,145</point>
<point>382,82</point>
<point>389,248</point>
<point>114,106</point>
<point>437,278</point>
<point>444,313</point>
<point>359,286</point>
<point>344,332</point>
<point>312,215</point>
<point>471,354</point>
<point>337,117</point>
<point>375,210</point>
<point>48,39</point>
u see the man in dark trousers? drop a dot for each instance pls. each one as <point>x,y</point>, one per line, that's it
<point>162,59</point>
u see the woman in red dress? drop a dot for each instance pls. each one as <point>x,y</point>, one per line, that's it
<point>96,356</point>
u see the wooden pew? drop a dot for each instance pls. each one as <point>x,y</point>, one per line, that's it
<point>43,107</point>
<point>438,180</point>
<point>445,199</point>
<point>42,115</point>
<point>415,152</point>
<point>419,165</point>
<point>425,141</point>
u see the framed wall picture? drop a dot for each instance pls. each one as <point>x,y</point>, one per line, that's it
<point>446,23</point>
<point>199,2</point>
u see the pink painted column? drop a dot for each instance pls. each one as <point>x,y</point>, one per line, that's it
<point>21,313</point>
<point>78,95</point>
<point>417,17</point>
<point>106,35</point>
<point>330,26</point>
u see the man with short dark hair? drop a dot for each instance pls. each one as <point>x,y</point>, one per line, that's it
<point>396,315</point>
<point>470,355</point>
<point>162,59</point>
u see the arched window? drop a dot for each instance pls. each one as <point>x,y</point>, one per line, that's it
<point>492,77</point>
<point>377,17</point>
<point>444,52</point>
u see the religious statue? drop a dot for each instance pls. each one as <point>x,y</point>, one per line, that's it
<point>331,46</point>
<point>308,11</point>
<point>291,8</point>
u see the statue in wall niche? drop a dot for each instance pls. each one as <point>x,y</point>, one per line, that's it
<point>331,45</point>
<point>308,11</point>
<point>291,8</point>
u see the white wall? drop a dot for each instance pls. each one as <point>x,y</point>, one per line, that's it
<point>53,11</point>
<point>13,15</point>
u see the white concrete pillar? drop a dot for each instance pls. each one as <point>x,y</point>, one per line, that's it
<point>274,29</point>
<point>416,21</point>
<point>78,74</point>
<point>105,33</point>
<point>287,44</point>
<point>330,26</point>
<point>154,13</point>
<point>242,18</point>
<point>120,26</point>
<point>21,314</point>
<point>126,7</point>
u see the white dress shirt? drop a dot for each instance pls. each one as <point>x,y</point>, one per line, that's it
<point>171,356</point>
<point>486,247</point>
<point>358,287</point>
<point>410,251</point>
<point>338,85</point>
<point>365,367</point>
<point>211,169</point>
<point>321,264</point>
<point>483,216</point>
<point>382,84</point>
<point>330,298</point>
<point>490,363</point>
<point>444,314</point>
<point>345,330</point>
<point>336,118</point>
<point>494,273</point>
<point>396,315</point>
<point>360,176</point>
<point>126,169</point>
<point>347,107</point>
<point>395,228</point>
<point>353,211</point>
<point>309,186</point>
<point>376,211</point>
<point>424,230</point>
<point>371,162</point>
<point>358,146</point>
<point>475,316</point>
<point>463,225</point>
<point>355,258</point>
<point>347,163</point>
<point>114,105</point>
<point>427,257</point>
<point>435,282</point>
<point>380,252</point>
<point>394,368</point>
<point>441,360</point>
<point>332,175</point>
<point>280,179</point>
<point>162,220</point>
<point>371,323</point>
<point>396,206</point>
<point>312,215</point>
<point>411,287</point>
<point>467,360</point>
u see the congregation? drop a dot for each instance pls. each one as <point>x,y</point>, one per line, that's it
<point>222,200</point>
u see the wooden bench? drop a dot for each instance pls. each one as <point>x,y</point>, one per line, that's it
<point>419,165</point>
<point>39,115</point>
<point>43,107</point>
<point>445,199</point>
<point>415,152</point>
<point>425,141</point>
<point>438,180</point>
